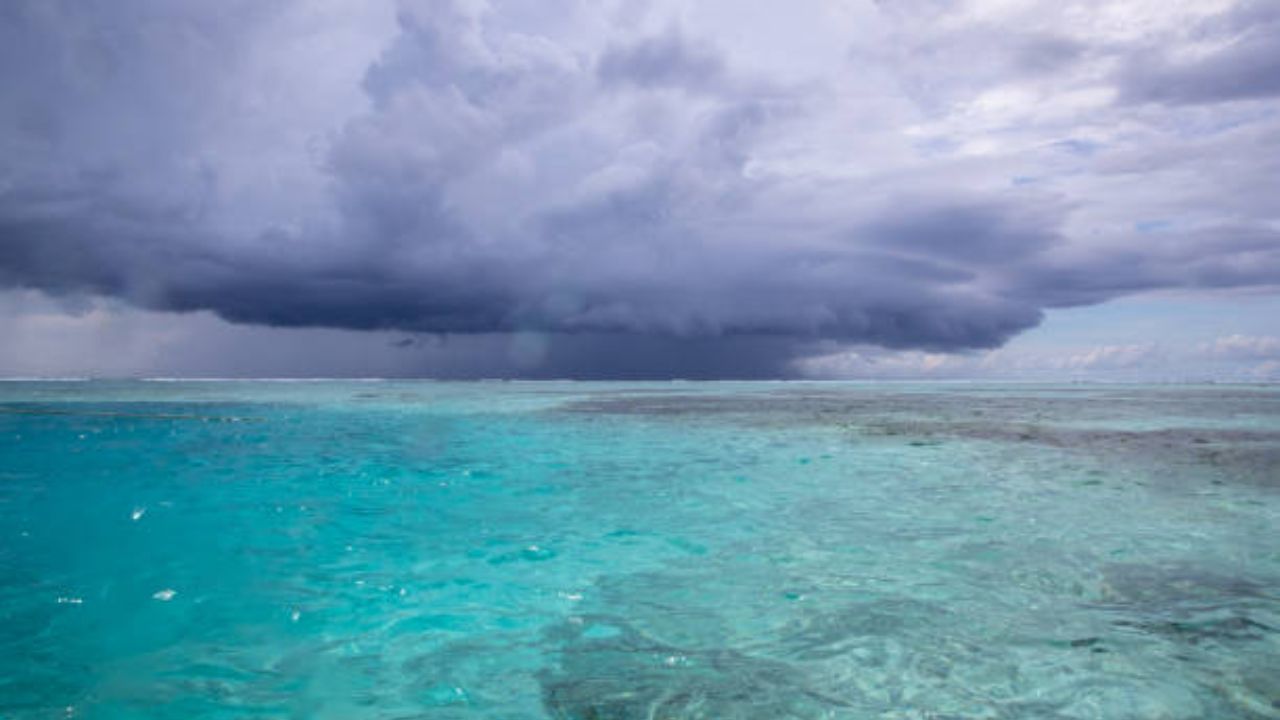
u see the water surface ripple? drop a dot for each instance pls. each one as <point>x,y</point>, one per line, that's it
<point>594,551</point>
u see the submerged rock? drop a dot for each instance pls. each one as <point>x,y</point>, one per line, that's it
<point>1169,586</point>
<point>620,674</point>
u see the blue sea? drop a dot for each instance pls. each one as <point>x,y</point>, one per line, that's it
<point>660,551</point>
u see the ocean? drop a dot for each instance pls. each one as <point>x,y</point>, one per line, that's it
<point>653,551</point>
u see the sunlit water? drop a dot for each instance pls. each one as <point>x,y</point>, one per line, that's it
<point>648,551</point>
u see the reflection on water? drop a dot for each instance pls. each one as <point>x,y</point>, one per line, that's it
<point>690,550</point>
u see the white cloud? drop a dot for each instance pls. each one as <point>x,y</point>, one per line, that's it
<point>1101,361</point>
<point>1243,347</point>
<point>1114,356</point>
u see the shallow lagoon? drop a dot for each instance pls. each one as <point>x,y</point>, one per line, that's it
<point>665,550</point>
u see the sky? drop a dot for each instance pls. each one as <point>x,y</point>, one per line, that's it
<point>1006,189</point>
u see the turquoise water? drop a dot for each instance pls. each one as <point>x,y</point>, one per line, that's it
<point>656,551</point>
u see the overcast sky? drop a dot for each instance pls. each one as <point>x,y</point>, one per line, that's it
<point>720,188</point>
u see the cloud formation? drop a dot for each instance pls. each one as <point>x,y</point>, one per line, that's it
<point>698,189</point>
<point>1243,347</point>
<point>1095,362</point>
<point>1232,56</point>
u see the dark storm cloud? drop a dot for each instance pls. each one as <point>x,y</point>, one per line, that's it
<point>668,59</point>
<point>1046,53</point>
<point>1243,62</point>
<point>1217,257</point>
<point>976,234</point>
<point>1250,68</point>
<point>639,202</point>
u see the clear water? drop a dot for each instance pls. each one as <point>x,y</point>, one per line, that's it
<point>657,551</point>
